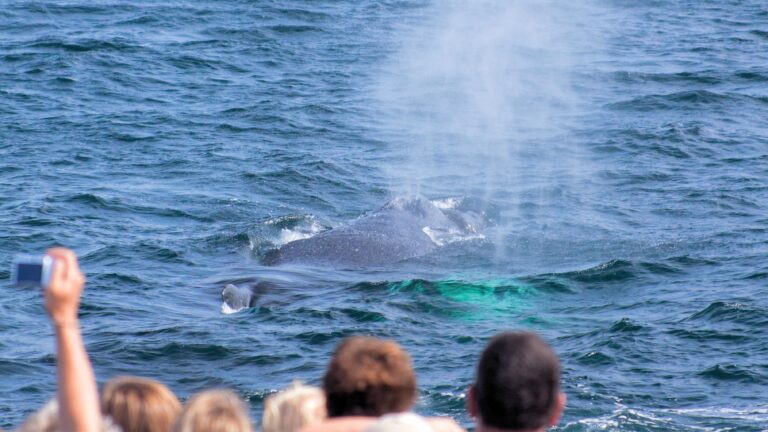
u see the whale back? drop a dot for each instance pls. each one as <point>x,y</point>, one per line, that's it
<point>394,232</point>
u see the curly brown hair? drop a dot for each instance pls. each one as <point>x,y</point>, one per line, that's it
<point>369,377</point>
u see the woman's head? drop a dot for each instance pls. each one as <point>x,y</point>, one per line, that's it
<point>214,411</point>
<point>293,408</point>
<point>139,404</point>
<point>46,419</point>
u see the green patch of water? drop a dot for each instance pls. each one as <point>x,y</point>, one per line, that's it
<point>473,300</point>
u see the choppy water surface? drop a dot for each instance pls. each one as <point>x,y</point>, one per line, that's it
<point>622,145</point>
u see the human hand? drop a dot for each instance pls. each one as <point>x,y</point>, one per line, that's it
<point>62,297</point>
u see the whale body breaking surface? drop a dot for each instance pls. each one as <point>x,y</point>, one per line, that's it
<point>403,228</point>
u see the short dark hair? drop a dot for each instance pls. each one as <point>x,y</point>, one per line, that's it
<point>369,377</point>
<point>518,382</point>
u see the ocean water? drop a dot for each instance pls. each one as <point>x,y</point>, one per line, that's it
<point>619,146</point>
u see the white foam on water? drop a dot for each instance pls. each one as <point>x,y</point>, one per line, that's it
<point>288,235</point>
<point>623,416</point>
<point>281,219</point>
<point>757,414</point>
<point>228,310</point>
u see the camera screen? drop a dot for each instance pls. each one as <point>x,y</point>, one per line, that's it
<point>29,274</point>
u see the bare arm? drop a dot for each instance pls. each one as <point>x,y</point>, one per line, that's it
<point>78,397</point>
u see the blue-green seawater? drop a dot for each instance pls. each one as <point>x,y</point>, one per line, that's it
<point>172,143</point>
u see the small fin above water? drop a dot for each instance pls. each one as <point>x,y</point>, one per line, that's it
<point>235,299</point>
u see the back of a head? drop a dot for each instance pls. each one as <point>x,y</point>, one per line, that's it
<point>369,377</point>
<point>139,404</point>
<point>293,408</point>
<point>214,411</point>
<point>46,419</point>
<point>518,382</point>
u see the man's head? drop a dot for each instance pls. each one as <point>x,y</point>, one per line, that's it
<point>369,377</point>
<point>518,384</point>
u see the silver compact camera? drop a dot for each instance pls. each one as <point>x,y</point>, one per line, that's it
<point>32,271</point>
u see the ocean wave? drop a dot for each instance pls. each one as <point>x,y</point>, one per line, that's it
<point>758,415</point>
<point>734,312</point>
<point>293,29</point>
<point>121,280</point>
<point>691,99</point>
<point>755,76</point>
<point>624,418</point>
<point>55,8</point>
<point>626,325</point>
<point>122,45</point>
<point>596,358</point>
<point>241,34</point>
<point>612,271</point>
<point>186,352</point>
<point>758,275</point>
<point>695,419</point>
<point>687,77</point>
<point>11,367</point>
<point>732,372</point>
<point>302,14</point>
<point>712,335</point>
<point>99,202</point>
<point>323,338</point>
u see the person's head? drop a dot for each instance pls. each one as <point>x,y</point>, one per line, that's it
<point>517,387</point>
<point>369,377</point>
<point>139,404</point>
<point>293,408</point>
<point>46,419</point>
<point>214,411</point>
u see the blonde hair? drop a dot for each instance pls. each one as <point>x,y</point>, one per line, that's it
<point>214,411</point>
<point>139,404</point>
<point>46,419</point>
<point>293,408</point>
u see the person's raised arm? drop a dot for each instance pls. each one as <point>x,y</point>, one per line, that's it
<point>78,397</point>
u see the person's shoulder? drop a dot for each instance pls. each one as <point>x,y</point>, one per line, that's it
<point>444,424</point>
<point>341,424</point>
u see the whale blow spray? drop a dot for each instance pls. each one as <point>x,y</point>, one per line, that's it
<point>478,99</point>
